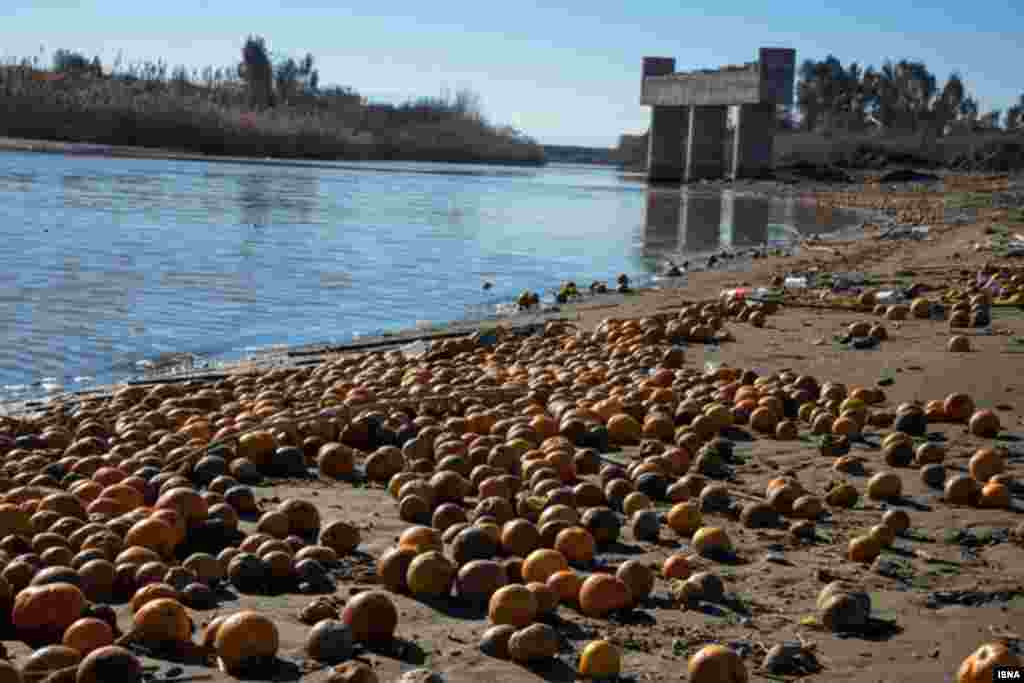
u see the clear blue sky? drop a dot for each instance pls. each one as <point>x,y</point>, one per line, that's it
<point>565,74</point>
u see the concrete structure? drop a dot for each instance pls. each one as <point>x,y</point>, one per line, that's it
<point>689,111</point>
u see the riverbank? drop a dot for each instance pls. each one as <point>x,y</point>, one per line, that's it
<point>10,144</point>
<point>882,210</point>
<point>949,580</point>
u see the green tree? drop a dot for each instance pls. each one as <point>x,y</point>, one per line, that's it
<point>968,114</point>
<point>943,110</point>
<point>179,80</point>
<point>286,80</point>
<point>902,93</point>
<point>467,104</point>
<point>816,91</point>
<point>292,78</point>
<point>66,61</point>
<point>831,96</point>
<point>1015,115</point>
<point>991,120</point>
<point>256,70</point>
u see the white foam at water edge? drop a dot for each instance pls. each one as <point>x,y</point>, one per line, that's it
<point>44,380</point>
<point>15,387</point>
<point>52,387</point>
<point>144,363</point>
<point>82,379</point>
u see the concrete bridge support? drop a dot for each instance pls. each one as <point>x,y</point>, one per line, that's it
<point>752,146</point>
<point>667,151</point>
<point>705,156</point>
<point>689,111</point>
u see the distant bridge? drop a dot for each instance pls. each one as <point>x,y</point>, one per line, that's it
<point>689,112</point>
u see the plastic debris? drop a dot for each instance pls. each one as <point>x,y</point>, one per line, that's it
<point>795,283</point>
<point>415,349</point>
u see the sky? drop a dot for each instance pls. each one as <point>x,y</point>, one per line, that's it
<point>565,73</point>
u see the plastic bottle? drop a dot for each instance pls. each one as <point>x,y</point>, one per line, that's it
<point>796,282</point>
<point>737,293</point>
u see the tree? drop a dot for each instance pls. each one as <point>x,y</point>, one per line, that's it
<point>309,75</point>
<point>467,104</point>
<point>816,91</point>
<point>1015,115</point>
<point>902,94</point>
<point>990,121</point>
<point>286,78</point>
<point>968,114</point>
<point>830,96</point>
<point>179,80</point>
<point>948,103</point>
<point>255,69</point>
<point>292,78</point>
<point>66,61</point>
<point>943,110</point>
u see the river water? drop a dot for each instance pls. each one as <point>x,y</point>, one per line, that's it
<point>108,263</point>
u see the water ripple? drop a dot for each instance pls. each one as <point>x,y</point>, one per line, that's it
<point>110,262</point>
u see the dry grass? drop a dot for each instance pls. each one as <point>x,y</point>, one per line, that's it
<point>216,120</point>
<point>998,151</point>
<point>995,151</point>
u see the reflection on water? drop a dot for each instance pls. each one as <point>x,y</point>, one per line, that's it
<point>110,263</point>
<point>684,223</point>
<point>255,198</point>
<point>280,198</point>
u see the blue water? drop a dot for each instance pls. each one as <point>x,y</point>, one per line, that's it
<point>109,262</point>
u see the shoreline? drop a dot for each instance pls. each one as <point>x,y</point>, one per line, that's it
<point>291,355</point>
<point>33,146</point>
<point>585,311</point>
<point>187,363</point>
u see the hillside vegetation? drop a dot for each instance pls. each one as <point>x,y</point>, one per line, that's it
<point>259,107</point>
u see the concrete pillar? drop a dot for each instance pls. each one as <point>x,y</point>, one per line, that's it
<point>665,152</point>
<point>705,156</point>
<point>752,150</point>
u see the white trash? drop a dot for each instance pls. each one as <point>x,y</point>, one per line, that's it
<point>795,283</point>
<point>415,349</point>
<point>889,296</point>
